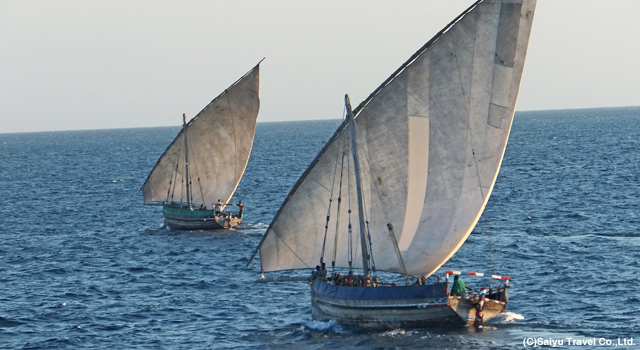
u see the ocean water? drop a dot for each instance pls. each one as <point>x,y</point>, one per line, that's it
<point>84,265</point>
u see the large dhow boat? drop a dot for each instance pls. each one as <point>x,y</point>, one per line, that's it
<point>198,173</point>
<point>401,184</point>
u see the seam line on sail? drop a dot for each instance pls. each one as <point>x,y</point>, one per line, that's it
<point>455,56</point>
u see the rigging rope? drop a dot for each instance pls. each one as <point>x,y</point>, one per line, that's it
<point>195,166</point>
<point>350,236</point>
<point>373,263</point>
<point>326,225</point>
<point>341,149</point>
<point>335,241</point>
<point>491,262</point>
<point>364,209</point>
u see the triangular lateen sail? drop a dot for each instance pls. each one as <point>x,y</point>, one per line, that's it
<point>432,138</point>
<point>220,142</point>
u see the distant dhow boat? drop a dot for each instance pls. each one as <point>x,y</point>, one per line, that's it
<point>403,181</point>
<point>198,173</point>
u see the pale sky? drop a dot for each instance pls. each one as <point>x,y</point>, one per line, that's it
<point>77,64</point>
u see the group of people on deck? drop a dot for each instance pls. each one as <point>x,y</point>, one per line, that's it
<point>350,279</point>
<point>459,288</point>
<point>218,208</point>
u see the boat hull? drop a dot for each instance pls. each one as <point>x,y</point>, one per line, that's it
<point>396,307</point>
<point>183,218</point>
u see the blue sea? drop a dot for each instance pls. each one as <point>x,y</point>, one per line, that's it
<point>84,265</point>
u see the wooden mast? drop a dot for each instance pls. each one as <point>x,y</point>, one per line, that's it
<point>186,158</point>
<point>356,169</point>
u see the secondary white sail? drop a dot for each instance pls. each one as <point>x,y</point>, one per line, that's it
<point>220,140</point>
<point>431,141</point>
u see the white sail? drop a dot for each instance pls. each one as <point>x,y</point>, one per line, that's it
<point>220,140</point>
<point>431,140</point>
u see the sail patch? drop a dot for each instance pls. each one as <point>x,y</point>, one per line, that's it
<point>496,115</point>
<point>508,27</point>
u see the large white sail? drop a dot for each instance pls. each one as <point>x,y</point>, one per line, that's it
<point>220,140</point>
<point>431,141</point>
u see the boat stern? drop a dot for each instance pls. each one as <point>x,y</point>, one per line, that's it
<point>467,308</point>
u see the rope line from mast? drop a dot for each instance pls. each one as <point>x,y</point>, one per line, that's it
<point>364,206</point>
<point>486,216</point>
<point>326,225</point>
<point>335,243</point>
<point>350,226</point>
<point>195,166</point>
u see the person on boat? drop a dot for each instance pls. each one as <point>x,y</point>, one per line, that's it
<point>323,270</point>
<point>218,206</point>
<point>376,282</point>
<point>349,279</point>
<point>357,281</point>
<point>241,209</point>
<point>201,206</point>
<point>499,295</point>
<point>459,288</point>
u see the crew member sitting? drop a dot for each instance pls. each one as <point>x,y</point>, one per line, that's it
<point>316,273</point>
<point>459,288</point>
